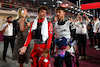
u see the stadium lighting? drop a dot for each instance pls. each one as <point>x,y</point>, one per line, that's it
<point>45,3</point>
<point>13,11</point>
<point>71,6</point>
<point>66,9</point>
<point>75,12</point>
<point>72,11</point>
<point>88,11</point>
<point>75,8</point>
<point>82,11</point>
<point>66,4</point>
<point>53,5</point>
<point>69,10</point>
<point>59,2</point>
<point>78,9</point>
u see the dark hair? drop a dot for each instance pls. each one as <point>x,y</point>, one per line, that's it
<point>9,17</point>
<point>42,7</point>
<point>60,8</point>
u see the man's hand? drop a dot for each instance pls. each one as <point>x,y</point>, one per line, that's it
<point>4,29</point>
<point>22,50</point>
<point>67,48</point>
<point>6,26</point>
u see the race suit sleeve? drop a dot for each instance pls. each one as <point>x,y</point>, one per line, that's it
<point>29,37</point>
<point>50,32</point>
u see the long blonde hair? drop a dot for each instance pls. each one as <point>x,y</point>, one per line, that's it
<point>20,14</point>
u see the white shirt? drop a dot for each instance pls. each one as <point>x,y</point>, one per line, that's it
<point>81,28</point>
<point>95,26</point>
<point>9,29</point>
<point>78,27</point>
<point>62,30</point>
<point>98,26</point>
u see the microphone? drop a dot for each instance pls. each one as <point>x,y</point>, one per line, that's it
<point>28,20</point>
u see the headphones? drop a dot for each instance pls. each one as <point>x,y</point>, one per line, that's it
<point>62,22</point>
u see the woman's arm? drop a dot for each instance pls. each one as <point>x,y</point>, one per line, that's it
<point>22,24</point>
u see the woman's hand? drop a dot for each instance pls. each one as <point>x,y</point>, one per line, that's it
<point>28,24</point>
<point>22,50</point>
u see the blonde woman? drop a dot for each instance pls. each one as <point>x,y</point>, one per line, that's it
<point>21,31</point>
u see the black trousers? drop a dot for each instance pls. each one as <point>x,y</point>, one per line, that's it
<point>59,60</point>
<point>95,39</point>
<point>81,41</point>
<point>7,40</point>
<point>98,36</point>
<point>90,34</point>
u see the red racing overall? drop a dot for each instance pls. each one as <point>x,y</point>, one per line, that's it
<point>37,59</point>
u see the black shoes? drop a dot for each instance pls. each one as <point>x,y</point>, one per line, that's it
<point>4,60</point>
<point>91,45</point>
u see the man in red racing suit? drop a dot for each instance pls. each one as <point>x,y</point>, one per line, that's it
<point>40,53</point>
